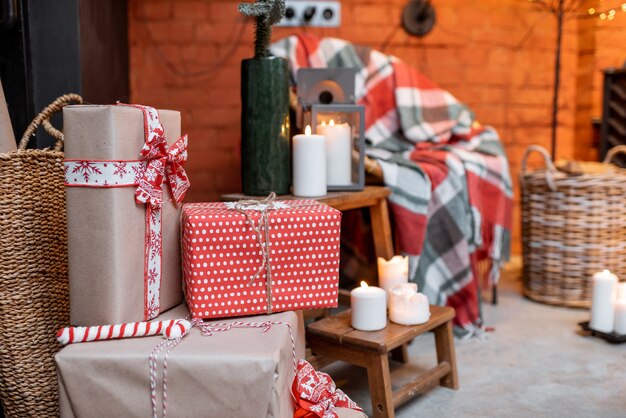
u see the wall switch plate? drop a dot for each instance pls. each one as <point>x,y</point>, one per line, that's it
<point>319,13</point>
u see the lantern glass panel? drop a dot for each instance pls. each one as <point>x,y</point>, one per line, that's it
<point>343,125</point>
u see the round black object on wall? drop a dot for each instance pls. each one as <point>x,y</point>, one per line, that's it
<point>418,17</point>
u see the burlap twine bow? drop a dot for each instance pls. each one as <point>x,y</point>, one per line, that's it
<point>262,232</point>
<point>264,207</point>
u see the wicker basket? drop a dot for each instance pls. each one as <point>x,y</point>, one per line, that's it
<point>573,225</point>
<point>34,300</point>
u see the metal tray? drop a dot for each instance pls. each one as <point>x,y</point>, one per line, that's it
<point>611,337</point>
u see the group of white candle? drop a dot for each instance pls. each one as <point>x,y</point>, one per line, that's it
<point>608,304</point>
<point>322,160</point>
<point>406,306</point>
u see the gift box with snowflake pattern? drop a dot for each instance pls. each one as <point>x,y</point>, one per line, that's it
<point>248,259</point>
<point>124,266</point>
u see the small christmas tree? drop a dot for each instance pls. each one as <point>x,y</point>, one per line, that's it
<point>267,13</point>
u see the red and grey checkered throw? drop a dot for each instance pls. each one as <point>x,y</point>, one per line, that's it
<point>452,192</point>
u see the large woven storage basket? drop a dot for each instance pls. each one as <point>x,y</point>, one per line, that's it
<point>573,225</point>
<point>34,296</point>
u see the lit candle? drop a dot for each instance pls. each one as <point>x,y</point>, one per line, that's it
<point>369,308</point>
<point>620,316</point>
<point>406,306</point>
<point>393,272</point>
<point>338,152</point>
<point>603,295</point>
<point>309,165</point>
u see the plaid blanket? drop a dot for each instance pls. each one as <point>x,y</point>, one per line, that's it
<point>452,191</point>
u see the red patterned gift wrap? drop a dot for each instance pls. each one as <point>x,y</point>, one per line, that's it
<point>243,258</point>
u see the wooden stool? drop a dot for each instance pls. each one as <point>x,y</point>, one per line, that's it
<point>334,337</point>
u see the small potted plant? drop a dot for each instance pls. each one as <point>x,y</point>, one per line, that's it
<point>265,146</point>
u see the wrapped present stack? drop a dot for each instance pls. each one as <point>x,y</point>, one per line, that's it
<point>125,183</point>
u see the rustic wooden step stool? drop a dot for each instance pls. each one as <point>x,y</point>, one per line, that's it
<point>334,337</point>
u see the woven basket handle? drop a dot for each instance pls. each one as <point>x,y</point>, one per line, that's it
<point>43,118</point>
<point>546,158</point>
<point>620,149</point>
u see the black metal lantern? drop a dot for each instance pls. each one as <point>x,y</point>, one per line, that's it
<point>326,102</point>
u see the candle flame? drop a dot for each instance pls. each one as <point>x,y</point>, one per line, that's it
<point>364,284</point>
<point>307,130</point>
<point>332,122</point>
<point>323,123</point>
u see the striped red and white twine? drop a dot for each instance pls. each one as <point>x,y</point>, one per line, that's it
<point>207,329</point>
<point>167,346</point>
<point>172,328</point>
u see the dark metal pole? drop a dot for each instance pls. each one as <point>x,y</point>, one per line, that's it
<point>557,76</point>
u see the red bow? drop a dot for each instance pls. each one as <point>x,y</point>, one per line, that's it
<point>316,394</point>
<point>163,163</point>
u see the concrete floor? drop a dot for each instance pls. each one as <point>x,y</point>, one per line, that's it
<point>535,364</point>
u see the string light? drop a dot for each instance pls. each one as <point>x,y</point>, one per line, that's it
<point>592,11</point>
<point>606,15</point>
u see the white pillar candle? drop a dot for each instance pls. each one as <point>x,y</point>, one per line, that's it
<point>603,296</point>
<point>338,152</point>
<point>620,316</point>
<point>369,308</point>
<point>309,165</point>
<point>406,306</point>
<point>621,291</point>
<point>393,272</point>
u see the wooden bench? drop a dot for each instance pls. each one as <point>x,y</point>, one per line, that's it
<point>334,337</point>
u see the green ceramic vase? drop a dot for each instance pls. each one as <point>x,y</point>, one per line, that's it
<point>265,165</point>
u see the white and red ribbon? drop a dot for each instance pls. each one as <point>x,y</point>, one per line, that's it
<point>158,165</point>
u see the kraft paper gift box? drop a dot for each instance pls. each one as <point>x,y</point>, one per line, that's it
<point>106,227</point>
<point>243,372</point>
<point>222,255</point>
<point>7,139</point>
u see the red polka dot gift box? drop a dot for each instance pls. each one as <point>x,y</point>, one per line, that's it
<point>253,258</point>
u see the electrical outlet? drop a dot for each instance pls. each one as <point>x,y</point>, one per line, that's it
<point>320,13</point>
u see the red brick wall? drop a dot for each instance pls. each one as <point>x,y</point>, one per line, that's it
<point>586,68</point>
<point>475,51</point>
